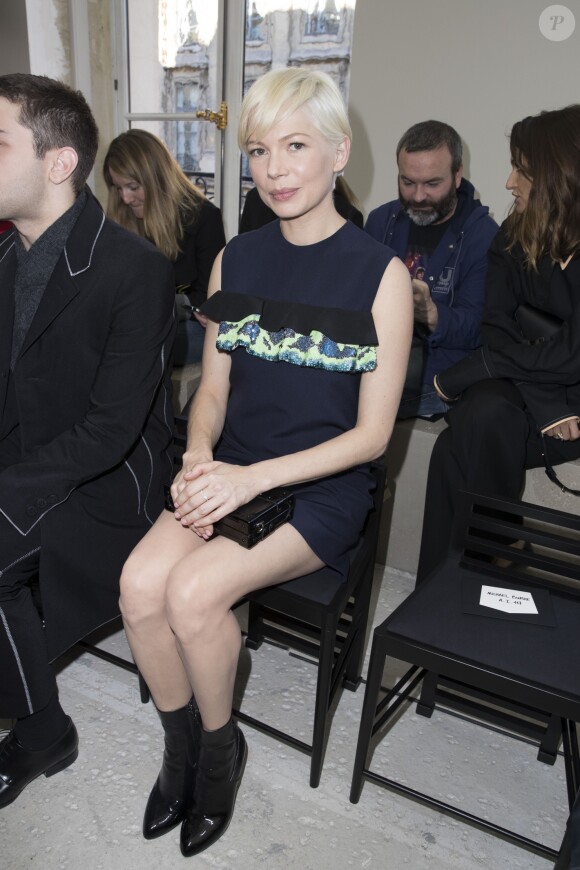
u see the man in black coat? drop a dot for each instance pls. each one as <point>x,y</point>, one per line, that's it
<point>86,329</point>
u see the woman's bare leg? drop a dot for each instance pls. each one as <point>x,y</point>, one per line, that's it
<point>201,590</point>
<point>177,592</point>
<point>143,599</point>
<point>199,601</point>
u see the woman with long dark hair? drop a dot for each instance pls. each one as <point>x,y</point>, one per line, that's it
<point>517,398</point>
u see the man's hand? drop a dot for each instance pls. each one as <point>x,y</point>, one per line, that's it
<point>425,309</point>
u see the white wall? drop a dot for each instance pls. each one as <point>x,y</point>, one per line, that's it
<point>479,65</point>
<point>48,38</point>
<point>13,39</point>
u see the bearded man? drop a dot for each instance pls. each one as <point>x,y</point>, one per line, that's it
<point>442,233</point>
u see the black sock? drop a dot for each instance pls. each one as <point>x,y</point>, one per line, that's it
<point>43,728</point>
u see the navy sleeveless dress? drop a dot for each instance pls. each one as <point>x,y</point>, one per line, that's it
<point>297,323</point>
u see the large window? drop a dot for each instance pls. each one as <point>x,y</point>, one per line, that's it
<point>171,68</point>
<point>178,60</point>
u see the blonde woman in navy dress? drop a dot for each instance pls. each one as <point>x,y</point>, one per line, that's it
<point>305,356</point>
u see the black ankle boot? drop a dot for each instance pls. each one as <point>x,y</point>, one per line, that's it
<point>222,758</point>
<point>172,792</point>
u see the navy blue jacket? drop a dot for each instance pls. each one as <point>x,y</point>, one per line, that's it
<point>455,274</point>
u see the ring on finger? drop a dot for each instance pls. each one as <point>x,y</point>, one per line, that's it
<point>205,498</point>
<point>560,436</point>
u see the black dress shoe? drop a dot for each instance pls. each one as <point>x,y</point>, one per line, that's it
<point>19,766</point>
<point>219,773</point>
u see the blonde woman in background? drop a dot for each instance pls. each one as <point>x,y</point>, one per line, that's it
<point>150,194</point>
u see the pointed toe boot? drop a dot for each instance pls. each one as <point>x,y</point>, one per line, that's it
<point>222,759</point>
<point>172,793</point>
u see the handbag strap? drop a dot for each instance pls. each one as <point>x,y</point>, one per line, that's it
<point>551,473</point>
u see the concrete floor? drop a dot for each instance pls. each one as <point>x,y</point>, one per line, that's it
<point>89,816</point>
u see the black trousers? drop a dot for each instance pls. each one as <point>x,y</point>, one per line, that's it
<point>490,442</point>
<point>27,681</point>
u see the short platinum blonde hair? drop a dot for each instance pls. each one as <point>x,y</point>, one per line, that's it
<point>279,93</point>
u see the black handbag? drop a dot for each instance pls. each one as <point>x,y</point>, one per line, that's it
<point>537,325</point>
<point>252,522</point>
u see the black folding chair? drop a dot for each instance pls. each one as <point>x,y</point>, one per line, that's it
<point>442,628</point>
<point>323,617</point>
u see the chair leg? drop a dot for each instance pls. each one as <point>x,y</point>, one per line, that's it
<point>572,782</point>
<point>352,677</point>
<point>374,679</point>
<point>254,637</point>
<point>353,672</point>
<point>548,751</point>
<point>143,689</point>
<point>426,703</point>
<point>321,707</point>
<point>571,759</point>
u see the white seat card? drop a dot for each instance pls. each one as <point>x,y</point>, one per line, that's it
<point>508,600</point>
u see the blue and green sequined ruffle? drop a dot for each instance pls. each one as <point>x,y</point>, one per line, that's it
<point>303,335</point>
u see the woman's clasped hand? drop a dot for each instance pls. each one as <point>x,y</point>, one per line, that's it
<point>207,491</point>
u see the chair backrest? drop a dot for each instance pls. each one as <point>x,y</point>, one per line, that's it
<point>526,541</point>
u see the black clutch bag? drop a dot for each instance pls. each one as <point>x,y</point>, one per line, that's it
<point>254,521</point>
